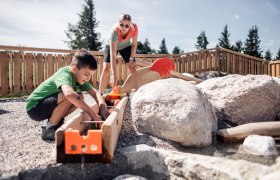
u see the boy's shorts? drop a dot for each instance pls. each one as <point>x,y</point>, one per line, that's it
<point>44,109</point>
<point>125,53</point>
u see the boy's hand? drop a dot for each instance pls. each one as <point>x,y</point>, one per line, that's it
<point>96,118</point>
<point>104,111</point>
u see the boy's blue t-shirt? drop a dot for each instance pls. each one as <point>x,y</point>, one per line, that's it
<point>53,85</point>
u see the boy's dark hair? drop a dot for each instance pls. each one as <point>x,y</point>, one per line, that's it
<point>83,59</point>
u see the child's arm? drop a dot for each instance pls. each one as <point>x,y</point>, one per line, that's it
<point>75,99</point>
<point>100,101</point>
<point>97,97</point>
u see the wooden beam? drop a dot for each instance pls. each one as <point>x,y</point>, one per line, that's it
<point>239,133</point>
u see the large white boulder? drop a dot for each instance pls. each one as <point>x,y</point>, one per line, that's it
<point>176,110</point>
<point>244,99</point>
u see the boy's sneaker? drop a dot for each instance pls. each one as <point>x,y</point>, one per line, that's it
<point>49,133</point>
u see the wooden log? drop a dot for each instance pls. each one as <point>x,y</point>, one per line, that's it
<point>144,76</point>
<point>239,133</point>
<point>111,129</point>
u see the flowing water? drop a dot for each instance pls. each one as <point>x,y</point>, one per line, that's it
<point>83,167</point>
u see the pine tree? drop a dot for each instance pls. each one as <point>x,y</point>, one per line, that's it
<point>252,43</point>
<point>238,46</point>
<point>144,48</point>
<point>177,50</point>
<point>277,57</point>
<point>224,39</point>
<point>268,55</point>
<point>147,47</point>
<point>162,47</point>
<point>140,47</point>
<point>83,34</point>
<point>201,41</point>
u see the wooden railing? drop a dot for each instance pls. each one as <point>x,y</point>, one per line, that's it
<point>274,68</point>
<point>232,62</point>
<point>22,69</point>
<point>198,61</point>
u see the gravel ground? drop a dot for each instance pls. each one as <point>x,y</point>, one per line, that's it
<point>21,147</point>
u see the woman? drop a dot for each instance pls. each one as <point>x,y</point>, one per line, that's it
<point>123,39</point>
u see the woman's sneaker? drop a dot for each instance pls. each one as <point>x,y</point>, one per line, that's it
<point>49,133</point>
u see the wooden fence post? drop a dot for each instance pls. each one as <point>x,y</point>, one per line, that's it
<point>17,73</point>
<point>29,73</point>
<point>4,73</point>
<point>218,61</point>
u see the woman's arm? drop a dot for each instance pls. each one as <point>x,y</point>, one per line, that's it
<point>134,46</point>
<point>132,64</point>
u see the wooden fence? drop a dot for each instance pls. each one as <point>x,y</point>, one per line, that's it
<point>274,68</point>
<point>22,69</point>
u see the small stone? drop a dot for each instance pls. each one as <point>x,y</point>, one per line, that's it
<point>260,145</point>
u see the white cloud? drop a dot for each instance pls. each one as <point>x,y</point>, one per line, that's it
<point>140,18</point>
<point>237,16</point>
<point>273,8</point>
<point>271,43</point>
<point>42,23</point>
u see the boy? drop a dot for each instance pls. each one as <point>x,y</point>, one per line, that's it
<point>56,97</point>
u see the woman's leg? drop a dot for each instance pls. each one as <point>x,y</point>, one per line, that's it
<point>125,53</point>
<point>104,77</point>
<point>105,74</point>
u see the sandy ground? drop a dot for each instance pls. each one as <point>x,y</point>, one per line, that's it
<point>21,147</point>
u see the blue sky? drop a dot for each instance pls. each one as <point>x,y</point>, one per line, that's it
<point>41,23</point>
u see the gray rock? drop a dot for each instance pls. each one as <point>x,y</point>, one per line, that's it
<point>129,177</point>
<point>273,173</point>
<point>243,99</point>
<point>176,110</point>
<point>209,75</point>
<point>260,145</point>
<point>278,116</point>
<point>145,158</point>
<point>177,165</point>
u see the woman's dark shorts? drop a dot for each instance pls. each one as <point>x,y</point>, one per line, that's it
<point>125,53</point>
<point>44,109</point>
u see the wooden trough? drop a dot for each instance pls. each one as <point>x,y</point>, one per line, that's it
<point>76,142</point>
